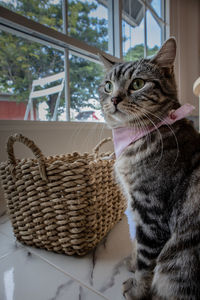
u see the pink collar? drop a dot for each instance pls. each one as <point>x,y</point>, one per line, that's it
<point>124,136</point>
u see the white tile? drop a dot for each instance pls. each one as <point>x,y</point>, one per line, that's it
<point>104,269</point>
<point>6,227</point>
<point>24,276</point>
<point>6,245</point>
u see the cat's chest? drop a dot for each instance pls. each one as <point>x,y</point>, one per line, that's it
<point>131,171</point>
<point>128,166</point>
<point>125,173</point>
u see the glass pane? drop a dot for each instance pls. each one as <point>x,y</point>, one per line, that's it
<point>46,12</point>
<point>22,62</point>
<point>85,77</point>
<point>88,22</point>
<point>133,30</point>
<point>133,41</point>
<point>156,4</point>
<point>153,35</point>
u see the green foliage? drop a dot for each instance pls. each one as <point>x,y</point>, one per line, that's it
<point>22,61</point>
<point>86,78</point>
<point>45,12</point>
<point>91,30</point>
<point>152,51</point>
<point>137,52</point>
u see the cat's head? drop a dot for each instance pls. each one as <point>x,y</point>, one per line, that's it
<point>140,92</point>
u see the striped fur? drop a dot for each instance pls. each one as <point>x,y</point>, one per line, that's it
<point>160,177</point>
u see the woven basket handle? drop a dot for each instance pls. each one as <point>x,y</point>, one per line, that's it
<point>99,145</point>
<point>30,144</point>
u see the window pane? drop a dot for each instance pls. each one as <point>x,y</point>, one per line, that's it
<point>156,4</point>
<point>85,77</point>
<point>153,35</point>
<point>133,30</point>
<point>133,41</point>
<point>22,62</point>
<point>88,22</point>
<point>46,12</point>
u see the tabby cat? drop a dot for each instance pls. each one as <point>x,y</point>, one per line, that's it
<point>159,173</point>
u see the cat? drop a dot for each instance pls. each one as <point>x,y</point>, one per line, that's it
<point>159,173</point>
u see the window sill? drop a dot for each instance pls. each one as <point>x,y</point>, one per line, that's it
<point>6,125</point>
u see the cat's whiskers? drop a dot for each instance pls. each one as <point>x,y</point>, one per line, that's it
<point>144,126</point>
<point>101,131</point>
<point>140,125</point>
<point>137,122</point>
<point>160,135</point>
<point>168,125</point>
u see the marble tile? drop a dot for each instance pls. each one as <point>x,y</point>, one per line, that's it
<point>24,276</point>
<point>102,270</point>
<point>105,268</point>
<point>6,227</point>
<point>6,245</point>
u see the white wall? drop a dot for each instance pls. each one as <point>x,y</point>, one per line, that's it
<point>52,138</point>
<point>185,26</point>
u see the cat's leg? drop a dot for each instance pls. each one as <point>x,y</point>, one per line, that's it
<point>148,249</point>
<point>138,286</point>
<point>131,263</point>
<point>177,273</point>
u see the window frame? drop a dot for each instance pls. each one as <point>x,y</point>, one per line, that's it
<point>19,25</point>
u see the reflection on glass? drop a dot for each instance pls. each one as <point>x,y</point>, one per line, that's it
<point>46,12</point>
<point>156,4</point>
<point>133,41</point>
<point>153,35</point>
<point>88,21</point>
<point>133,30</point>
<point>22,63</point>
<point>85,77</point>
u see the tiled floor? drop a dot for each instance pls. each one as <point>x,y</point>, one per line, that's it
<point>33,274</point>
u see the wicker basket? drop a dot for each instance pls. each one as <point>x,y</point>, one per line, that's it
<point>65,203</point>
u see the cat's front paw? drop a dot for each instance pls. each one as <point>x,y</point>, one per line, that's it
<point>128,288</point>
<point>138,287</point>
<point>130,264</point>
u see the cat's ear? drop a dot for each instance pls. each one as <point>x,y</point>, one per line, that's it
<point>107,62</point>
<point>166,55</point>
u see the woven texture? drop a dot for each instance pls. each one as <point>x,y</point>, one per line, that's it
<point>65,203</point>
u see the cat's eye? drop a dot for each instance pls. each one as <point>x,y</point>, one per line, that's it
<point>137,84</point>
<point>108,87</point>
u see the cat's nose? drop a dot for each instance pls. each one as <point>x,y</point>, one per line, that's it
<point>116,100</point>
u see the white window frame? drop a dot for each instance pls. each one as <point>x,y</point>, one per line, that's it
<point>29,29</point>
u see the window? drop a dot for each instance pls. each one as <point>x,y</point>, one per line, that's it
<point>50,69</point>
<point>143,27</point>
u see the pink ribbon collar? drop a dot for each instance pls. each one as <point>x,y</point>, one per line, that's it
<point>124,136</point>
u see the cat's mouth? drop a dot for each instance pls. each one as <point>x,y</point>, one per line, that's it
<point>116,111</point>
